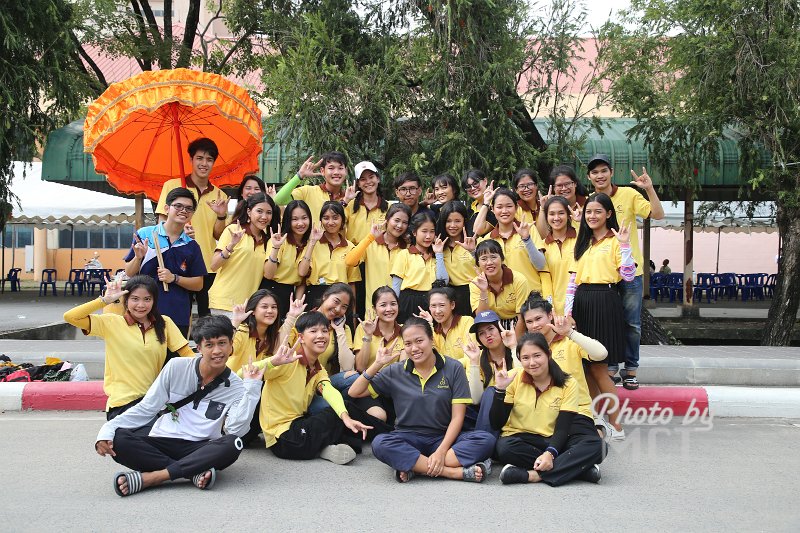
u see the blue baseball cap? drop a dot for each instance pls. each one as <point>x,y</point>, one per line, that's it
<point>484,317</point>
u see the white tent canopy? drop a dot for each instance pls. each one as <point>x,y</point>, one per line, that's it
<point>763,219</point>
<point>44,203</point>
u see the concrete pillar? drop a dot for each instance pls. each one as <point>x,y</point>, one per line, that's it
<point>646,256</point>
<point>139,210</point>
<point>39,252</point>
<point>688,308</point>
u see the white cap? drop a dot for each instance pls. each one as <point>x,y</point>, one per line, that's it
<point>365,165</point>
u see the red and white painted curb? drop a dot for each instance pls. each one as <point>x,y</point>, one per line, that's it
<point>714,401</point>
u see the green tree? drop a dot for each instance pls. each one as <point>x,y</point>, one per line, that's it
<point>40,86</point>
<point>690,69</point>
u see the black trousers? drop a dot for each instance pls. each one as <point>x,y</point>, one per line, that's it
<point>201,296</point>
<point>181,458</point>
<point>308,435</point>
<point>409,303</point>
<point>584,448</point>
<point>114,412</point>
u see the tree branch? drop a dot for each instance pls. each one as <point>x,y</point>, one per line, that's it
<point>192,20</point>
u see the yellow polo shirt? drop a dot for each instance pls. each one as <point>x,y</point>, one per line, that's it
<point>133,357</point>
<point>328,353</point>
<point>525,214</point>
<point>600,262</point>
<point>417,273</point>
<point>204,217</point>
<point>244,347</point>
<point>460,265</point>
<point>378,261</point>
<point>377,342</point>
<point>452,344</point>
<point>629,203</point>
<point>569,356</point>
<point>315,196</point>
<point>288,392</point>
<point>536,412</point>
<point>560,256</point>
<point>516,255</point>
<point>359,223</point>
<point>508,301</point>
<point>467,364</point>
<point>328,266</point>
<point>289,257</point>
<point>241,274</point>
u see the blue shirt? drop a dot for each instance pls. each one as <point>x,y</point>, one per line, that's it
<point>182,257</point>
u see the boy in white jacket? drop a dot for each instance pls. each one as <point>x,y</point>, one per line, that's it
<point>193,401</point>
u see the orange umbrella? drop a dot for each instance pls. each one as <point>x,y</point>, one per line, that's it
<point>138,130</point>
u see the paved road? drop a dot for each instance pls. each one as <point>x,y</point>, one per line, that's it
<point>740,475</point>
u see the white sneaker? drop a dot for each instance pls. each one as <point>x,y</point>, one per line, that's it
<point>339,454</point>
<point>613,434</point>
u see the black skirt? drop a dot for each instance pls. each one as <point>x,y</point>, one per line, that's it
<point>463,308</point>
<point>598,314</point>
<point>410,302</point>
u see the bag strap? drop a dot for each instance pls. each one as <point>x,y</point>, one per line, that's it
<point>199,394</point>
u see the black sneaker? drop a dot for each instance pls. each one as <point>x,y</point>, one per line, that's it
<point>511,474</point>
<point>592,474</point>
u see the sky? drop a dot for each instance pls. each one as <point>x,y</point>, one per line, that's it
<point>599,9</point>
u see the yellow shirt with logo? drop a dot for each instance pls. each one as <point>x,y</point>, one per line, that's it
<point>417,273</point>
<point>313,195</point>
<point>240,275</point>
<point>288,263</point>
<point>629,203</point>
<point>537,413</point>
<point>509,301</point>
<point>559,259</point>
<point>203,219</point>
<point>452,344</point>
<point>359,223</point>
<point>377,342</point>
<point>600,262</point>
<point>460,265</point>
<point>328,266</point>
<point>569,356</point>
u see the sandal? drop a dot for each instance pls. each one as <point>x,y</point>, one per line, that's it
<point>469,472</point>
<point>409,476</point>
<point>630,382</point>
<point>132,478</point>
<point>211,480</point>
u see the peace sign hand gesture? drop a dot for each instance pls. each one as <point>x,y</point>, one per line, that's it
<point>424,315</point>
<point>469,243</point>
<point>285,355</point>
<point>309,169</point>
<point>370,323</point>
<point>480,280</point>
<point>140,247</point>
<point>624,234</point>
<point>438,245</point>
<point>316,234</point>
<point>473,352</point>
<point>544,197</point>
<point>113,292</point>
<point>561,325</point>
<point>509,336</point>
<point>385,354</point>
<point>219,206</point>
<point>251,371</point>
<point>488,193</point>
<point>271,191</point>
<point>644,181</point>
<point>576,213</point>
<point>240,314</point>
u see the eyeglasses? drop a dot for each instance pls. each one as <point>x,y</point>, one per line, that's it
<point>566,185</point>
<point>181,207</point>
<point>526,186</point>
<point>473,185</point>
<point>488,258</point>
<point>407,190</point>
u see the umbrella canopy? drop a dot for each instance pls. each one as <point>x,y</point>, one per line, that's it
<point>138,130</point>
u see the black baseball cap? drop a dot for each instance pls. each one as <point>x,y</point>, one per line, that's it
<point>599,158</point>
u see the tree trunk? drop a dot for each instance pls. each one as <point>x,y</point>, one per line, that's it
<point>783,311</point>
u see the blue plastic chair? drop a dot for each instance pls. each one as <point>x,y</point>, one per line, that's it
<point>674,286</point>
<point>705,283</point>
<point>770,285</point>
<point>726,285</point>
<point>75,281</point>
<point>754,286</point>
<point>13,278</point>
<point>95,279</point>
<point>657,286</point>
<point>50,275</point>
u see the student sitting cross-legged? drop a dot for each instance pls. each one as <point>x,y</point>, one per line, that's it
<point>430,394</point>
<point>292,379</point>
<point>195,399</point>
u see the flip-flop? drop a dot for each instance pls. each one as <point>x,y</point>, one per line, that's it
<point>469,473</point>
<point>409,476</point>
<point>132,478</point>
<point>630,382</point>
<point>211,480</point>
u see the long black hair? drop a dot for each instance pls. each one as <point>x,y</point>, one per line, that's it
<point>140,281</point>
<point>585,233</point>
<point>568,171</point>
<point>273,330</point>
<point>286,221</point>
<point>486,365</point>
<point>260,198</point>
<point>399,207</point>
<point>447,209</point>
<point>418,220</point>
<point>447,179</point>
<point>558,376</point>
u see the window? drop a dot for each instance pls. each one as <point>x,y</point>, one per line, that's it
<point>65,238</point>
<point>96,237</point>
<point>17,236</point>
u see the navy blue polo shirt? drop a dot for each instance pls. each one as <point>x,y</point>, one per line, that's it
<point>423,405</point>
<point>182,257</point>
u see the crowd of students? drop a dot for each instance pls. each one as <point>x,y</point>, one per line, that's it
<point>482,329</point>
